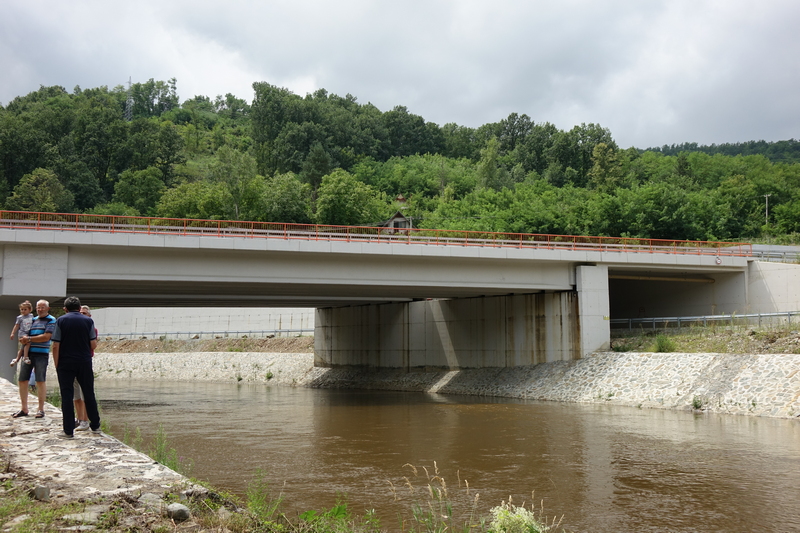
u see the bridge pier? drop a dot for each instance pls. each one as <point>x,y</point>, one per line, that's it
<point>27,272</point>
<point>497,331</point>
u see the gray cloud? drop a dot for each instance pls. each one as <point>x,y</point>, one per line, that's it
<point>652,72</point>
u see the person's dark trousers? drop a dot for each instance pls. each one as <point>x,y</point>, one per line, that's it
<point>68,371</point>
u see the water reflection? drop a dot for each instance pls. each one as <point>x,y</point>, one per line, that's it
<point>606,468</point>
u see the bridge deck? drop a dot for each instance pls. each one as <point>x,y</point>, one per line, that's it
<point>308,232</point>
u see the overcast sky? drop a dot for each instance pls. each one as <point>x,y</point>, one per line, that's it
<point>653,72</point>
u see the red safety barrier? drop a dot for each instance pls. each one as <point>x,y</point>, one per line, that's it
<point>433,237</point>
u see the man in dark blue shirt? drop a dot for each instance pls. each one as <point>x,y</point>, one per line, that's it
<point>74,341</point>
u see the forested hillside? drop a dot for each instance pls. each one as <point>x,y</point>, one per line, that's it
<point>329,159</point>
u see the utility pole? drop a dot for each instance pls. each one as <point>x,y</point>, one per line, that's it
<point>766,213</point>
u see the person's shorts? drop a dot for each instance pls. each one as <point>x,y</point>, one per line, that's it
<point>38,364</point>
<point>78,394</point>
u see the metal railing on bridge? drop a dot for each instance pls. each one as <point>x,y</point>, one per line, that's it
<point>777,257</point>
<point>734,319</point>
<point>312,232</point>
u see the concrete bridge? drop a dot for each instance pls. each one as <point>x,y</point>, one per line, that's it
<point>388,298</point>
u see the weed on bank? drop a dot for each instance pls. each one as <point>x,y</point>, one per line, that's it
<point>261,510</point>
<point>696,338</point>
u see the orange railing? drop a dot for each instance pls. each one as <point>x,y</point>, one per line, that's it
<point>280,230</point>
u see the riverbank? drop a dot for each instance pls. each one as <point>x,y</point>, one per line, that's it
<point>745,384</point>
<point>94,482</point>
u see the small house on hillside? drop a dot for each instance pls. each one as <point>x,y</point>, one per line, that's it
<point>397,221</point>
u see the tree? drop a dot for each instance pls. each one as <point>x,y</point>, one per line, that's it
<point>40,191</point>
<point>513,131</point>
<point>201,199</point>
<point>140,189</point>
<point>343,200</point>
<point>236,172</point>
<point>409,134</point>
<point>272,109</point>
<point>154,98</point>
<point>316,165</point>
<point>231,107</point>
<point>114,208</point>
<point>606,172</point>
<point>284,199</point>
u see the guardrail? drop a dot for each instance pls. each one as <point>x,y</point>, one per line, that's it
<point>778,257</point>
<point>683,321</point>
<point>437,237</point>
<point>177,335</point>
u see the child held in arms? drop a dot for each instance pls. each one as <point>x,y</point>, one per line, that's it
<point>22,327</point>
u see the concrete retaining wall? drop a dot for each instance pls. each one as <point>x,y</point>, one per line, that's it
<point>773,287</point>
<point>123,320</point>
<point>762,385</point>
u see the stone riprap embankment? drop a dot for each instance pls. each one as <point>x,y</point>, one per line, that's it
<point>86,466</point>
<point>761,385</point>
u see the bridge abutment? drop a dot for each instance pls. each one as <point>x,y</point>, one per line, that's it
<point>484,332</point>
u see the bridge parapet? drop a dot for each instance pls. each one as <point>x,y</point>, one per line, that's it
<point>433,237</point>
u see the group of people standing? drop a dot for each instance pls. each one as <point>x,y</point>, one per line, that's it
<point>73,338</point>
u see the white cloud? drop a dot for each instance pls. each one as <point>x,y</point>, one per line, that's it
<point>652,72</point>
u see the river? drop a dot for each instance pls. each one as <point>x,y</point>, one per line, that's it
<point>604,468</point>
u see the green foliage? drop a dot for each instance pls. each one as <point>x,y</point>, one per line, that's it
<point>282,199</point>
<point>114,208</point>
<point>54,396</point>
<point>343,200</point>
<point>202,200</point>
<point>236,172</point>
<point>161,452</point>
<point>664,344</point>
<point>153,98</point>
<point>260,501</point>
<point>222,158</point>
<point>135,441</point>
<point>140,189</point>
<point>38,516</point>
<point>159,449</point>
<point>40,191</point>
<point>508,518</point>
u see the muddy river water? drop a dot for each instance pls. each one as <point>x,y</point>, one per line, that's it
<point>604,468</point>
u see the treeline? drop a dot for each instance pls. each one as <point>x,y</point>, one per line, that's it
<point>777,152</point>
<point>329,159</point>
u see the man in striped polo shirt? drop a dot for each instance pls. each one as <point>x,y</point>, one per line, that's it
<point>39,339</point>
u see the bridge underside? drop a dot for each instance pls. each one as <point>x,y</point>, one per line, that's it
<point>378,305</point>
<point>498,331</point>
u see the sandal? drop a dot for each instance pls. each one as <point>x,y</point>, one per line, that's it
<point>39,414</point>
<point>19,414</point>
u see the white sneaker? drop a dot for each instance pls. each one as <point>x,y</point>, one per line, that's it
<point>12,363</point>
<point>83,425</point>
<point>26,361</point>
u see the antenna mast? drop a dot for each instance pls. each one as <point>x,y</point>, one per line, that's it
<point>129,103</point>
